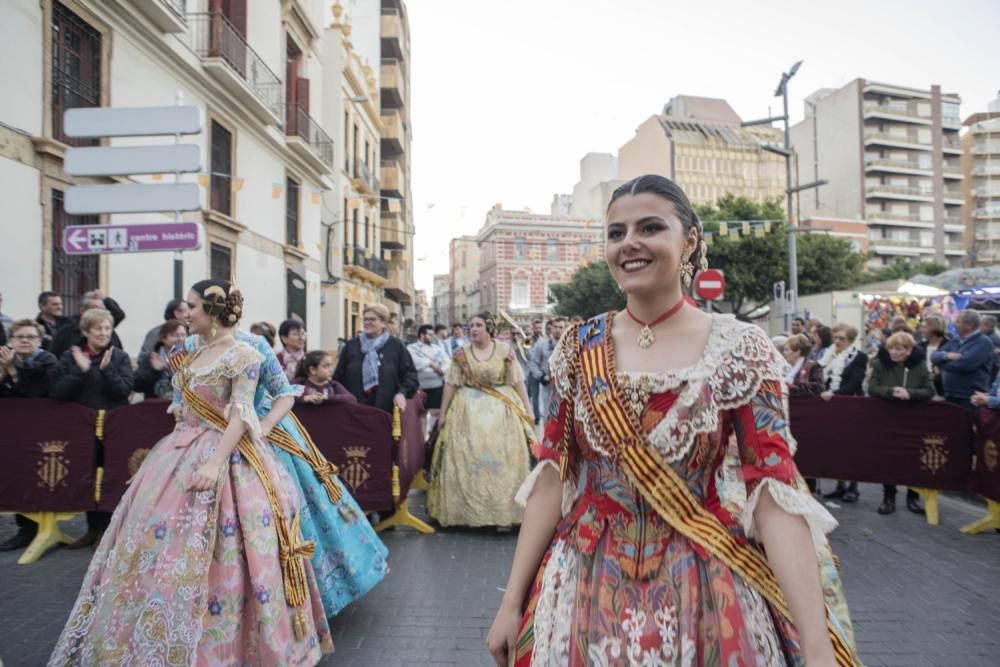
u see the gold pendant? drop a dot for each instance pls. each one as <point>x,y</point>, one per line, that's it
<point>646,337</point>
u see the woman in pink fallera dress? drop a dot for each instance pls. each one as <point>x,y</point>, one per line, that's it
<point>203,563</point>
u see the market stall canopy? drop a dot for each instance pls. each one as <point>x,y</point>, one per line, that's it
<point>962,279</point>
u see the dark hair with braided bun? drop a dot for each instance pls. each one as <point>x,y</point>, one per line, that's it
<point>667,189</point>
<point>221,300</point>
<point>490,322</point>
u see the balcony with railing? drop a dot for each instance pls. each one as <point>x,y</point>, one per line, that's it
<point>305,137</point>
<point>986,169</point>
<point>987,213</point>
<point>899,192</point>
<point>901,112</point>
<point>393,229</point>
<point>364,180</point>
<point>391,172</point>
<point>399,284</point>
<point>228,58</point>
<point>362,263</point>
<point>898,140</point>
<point>898,220</point>
<point>986,148</point>
<point>168,15</point>
<point>899,247</point>
<point>951,145</point>
<point>898,166</point>
<point>393,137</point>
<point>395,41</point>
<point>393,84</point>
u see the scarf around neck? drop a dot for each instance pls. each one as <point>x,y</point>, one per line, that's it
<point>369,368</point>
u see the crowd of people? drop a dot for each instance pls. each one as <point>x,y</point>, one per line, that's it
<point>958,364</point>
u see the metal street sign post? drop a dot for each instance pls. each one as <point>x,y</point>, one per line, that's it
<point>134,197</point>
<point>110,239</point>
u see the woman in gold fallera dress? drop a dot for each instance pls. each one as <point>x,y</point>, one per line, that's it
<point>482,453</point>
<point>666,523</point>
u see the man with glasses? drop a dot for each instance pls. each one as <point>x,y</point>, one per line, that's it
<point>26,371</point>
<point>293,343</point>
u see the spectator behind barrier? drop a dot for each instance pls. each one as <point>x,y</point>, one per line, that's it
<point>26,370</point>
<point>293,346</point>
<point>69,334</point>
<point>804,378</point>
<point>99,376</point>
<point>965,361</point>
<point>315,374</point>
<point>899,373</point>
<point>154,377</point>
<point>844,369</point>
<point>934,333</point>
<point>50,316</point>
<point>176,309</point>
<point>820,338</point>
<point>265,329</point>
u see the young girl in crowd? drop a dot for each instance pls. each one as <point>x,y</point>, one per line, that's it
<point>315,373</point>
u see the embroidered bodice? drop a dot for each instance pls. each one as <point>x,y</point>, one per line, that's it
<point>497,371</point>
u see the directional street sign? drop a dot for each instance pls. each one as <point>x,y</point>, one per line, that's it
<point>131,121</point>
<point>108,239</point>
<point>129,160</point>
<point>132,198</point>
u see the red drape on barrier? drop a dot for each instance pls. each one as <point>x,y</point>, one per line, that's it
<point>358,440</point>
<point>867,440</point>
<point>129,433</point>
<point>986,476</point>
<point>49,452</point>
<point>412,445</point>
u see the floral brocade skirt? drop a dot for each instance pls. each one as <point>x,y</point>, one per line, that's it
<point>184,579</point>
<point>619,589</point>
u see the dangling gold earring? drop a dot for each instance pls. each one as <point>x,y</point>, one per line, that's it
<point>687,272</point>
<point>214,330</point>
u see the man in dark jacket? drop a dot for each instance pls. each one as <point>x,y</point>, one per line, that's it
<point>69,334</point>
<point>965,361</point>
<point>50,316</point>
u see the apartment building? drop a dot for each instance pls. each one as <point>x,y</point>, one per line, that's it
<point>698,143</point>
<point>981,185</point>
<point>440,299</point>
<point>463,279</point>
<point>254,69</point>
<point>892,157</point>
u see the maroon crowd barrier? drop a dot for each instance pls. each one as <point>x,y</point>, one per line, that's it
<point>49,451</point>
<point>129,433</point>
<point>412,445</point>
<point>986,476</point>
<point>926,445</point>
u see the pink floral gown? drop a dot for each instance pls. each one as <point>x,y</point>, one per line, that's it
<point>183,578</point>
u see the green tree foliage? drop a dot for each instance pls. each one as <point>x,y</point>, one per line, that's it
<point>591,291</point>
<point>903,269</point>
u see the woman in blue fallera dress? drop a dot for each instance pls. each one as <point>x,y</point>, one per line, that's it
<point>349,559</point>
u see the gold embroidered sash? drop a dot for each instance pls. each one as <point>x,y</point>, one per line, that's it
<point>324,470</point>
<point>463,362</point>
<point>662,488</point>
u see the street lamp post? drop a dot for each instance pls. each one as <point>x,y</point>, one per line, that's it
<point>786,151</point>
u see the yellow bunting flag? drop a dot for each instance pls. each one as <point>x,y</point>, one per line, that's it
<point>767,227</point>
<point>157,177</point>
<point>758,232</point>
<point>708,238</point>
<point>203,180</point>
<point>746,229</point>
<point>735,235</point>
<point>317,197</point>
<point>276,190</point>
<point>237,184</point>
<point>723,229</point>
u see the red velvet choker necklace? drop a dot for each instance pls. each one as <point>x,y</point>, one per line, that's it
<point>646,335</point>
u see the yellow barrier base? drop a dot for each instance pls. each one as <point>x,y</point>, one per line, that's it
<point>930,497</point>
<point>49,534</point>
<point>989,522</point>
<point>420,482</point>
<point>403,517</point>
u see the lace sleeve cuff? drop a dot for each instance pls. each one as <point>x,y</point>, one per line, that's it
<point>294,390</point>
<point>569,491</point>
<point>173,408</point>
<point>247,415</point>
<point>793,501</point>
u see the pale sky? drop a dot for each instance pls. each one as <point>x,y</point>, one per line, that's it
<point>508,95</point>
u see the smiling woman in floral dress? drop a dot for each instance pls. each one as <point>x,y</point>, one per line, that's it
<point>666,523</point>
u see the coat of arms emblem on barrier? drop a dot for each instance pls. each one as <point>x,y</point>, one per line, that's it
<point>990,455</point>
<point>53,467</point>
<point>933,457</point>
<point>355,471</point>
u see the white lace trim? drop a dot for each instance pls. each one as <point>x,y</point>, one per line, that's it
<point>569,489</point>
<point>247,415</point>
<point>793,501</point>
<point>554,612</point>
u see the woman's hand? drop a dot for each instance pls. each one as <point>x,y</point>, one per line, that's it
<point>315,399</point>
<point>400,402</point>
<point>156,362</point>
<point>826,395</point>
<point>503,634</point>
<point>205,477</point>
<point>106,359</point>
<point>979,399</point>
<point>900,393</point>
<point>81,359</point>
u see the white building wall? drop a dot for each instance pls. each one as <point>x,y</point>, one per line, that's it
<point>20,33</point>
<point>20,273</point>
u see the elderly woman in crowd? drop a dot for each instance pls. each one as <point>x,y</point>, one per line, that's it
<point>821,338</point>
<point>804,377</point>
<point>97,375</point>
<point>899,373</point>
<point>844,370</point>
<point>26,371</point>
<point>154,377</point>
<point>375,366</point>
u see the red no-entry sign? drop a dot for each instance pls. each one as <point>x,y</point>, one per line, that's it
<point>710,284</point>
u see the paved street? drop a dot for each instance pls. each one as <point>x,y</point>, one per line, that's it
<point>920,596</point>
